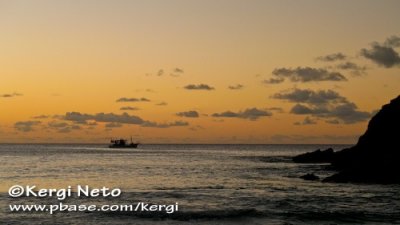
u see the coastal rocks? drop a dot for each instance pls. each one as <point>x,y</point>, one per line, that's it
<point>317,156</point>
<point>376,156</point>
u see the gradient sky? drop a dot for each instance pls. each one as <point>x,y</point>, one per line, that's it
<point>196,71</point>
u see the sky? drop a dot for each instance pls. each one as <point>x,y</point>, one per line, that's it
<point>178,71</point>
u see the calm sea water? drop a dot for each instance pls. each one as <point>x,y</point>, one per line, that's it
<point>213,184</point>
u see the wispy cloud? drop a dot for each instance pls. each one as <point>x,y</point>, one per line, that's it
<point>332,57</point>
<point>10,95</point>
<point>190,114</point>
<point>103,117</point>
<point>124,99</point>
<point>128,108</point>
<point>26,126</point>
<point>199,87</point>
<point>354,68</point>
<point>250,114</point>
<point>115,120</point>
<point>306,121</point>
<point>305,74</point>
<point>165,125</point>
<point>162,104</point>
<point>236,87</point>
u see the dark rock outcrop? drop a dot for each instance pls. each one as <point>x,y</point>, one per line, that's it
<point>317,156</point>
<point>376,156</point>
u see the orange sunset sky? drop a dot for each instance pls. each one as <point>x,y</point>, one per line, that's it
<point>178,71</point>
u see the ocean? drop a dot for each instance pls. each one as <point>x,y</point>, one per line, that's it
<point>211,184</point>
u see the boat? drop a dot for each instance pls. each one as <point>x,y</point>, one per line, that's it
<point>122,143</point>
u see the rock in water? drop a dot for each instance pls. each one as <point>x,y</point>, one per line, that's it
<point>376,156</point>
<point>317,156</point>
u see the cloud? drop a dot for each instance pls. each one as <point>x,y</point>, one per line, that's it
<point>199,87</point>
<point>301,109</point>
<point>26,126</point>
<point>10,95</point>
<point>236,87</point>
<point>165,125</point>
<point>250,114</point>
<point>103,117</point>
<point>306,74</point>
<point>162,104</point>
<point>348,113</point>
<point>62,127</point>
<point>384,56</point>
<point>176,72</point>
<point>190,114</point>
<point>354,68</point>
<point>55,124</point>
<point>113,119</point>
<point>310,96</point>
<point>393,41</point>
<point>127,108</point>
<point>325,104</point>
<point>332,57</point>
<point>124,99</point>
<point>306,121</point>
<point>160,72</point>
<point>274,80</point>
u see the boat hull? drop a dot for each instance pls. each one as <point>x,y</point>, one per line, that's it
<point>124,146</point>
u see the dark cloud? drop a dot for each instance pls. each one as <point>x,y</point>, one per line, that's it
<point>10,95</point>
<point>128,108</point>
<point>348,113</point>
<point>124,99</point>
<point>332,57</point>
<point>236,87</point>
<point>326,104</point>
<point>191,114</point>
<point>250,114</point>
<point>354,68</point>
<point>199,87</point>
<point>384,56</point>
<point>165,125</point>
<point>307,74</point>
<point>301,109</point>
<point>310,96</point>
<point>393,41</point>
<point>26,126</point>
